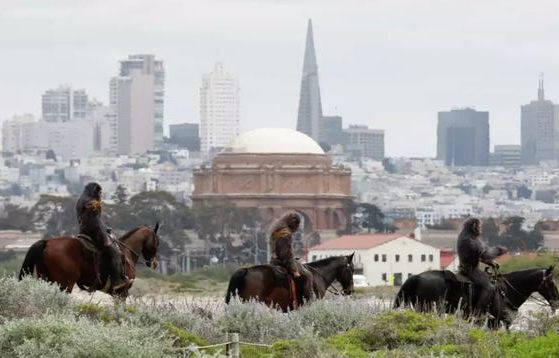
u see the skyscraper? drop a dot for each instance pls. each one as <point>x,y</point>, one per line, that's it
<point>137,96</point>
<point>186,135</point>
<point>64,104</point>
<point>219,110</point>
<point>365,142</point>
<point>463,137</point>
<point>539,129</point>
<point>310,105</point>
<point>137,62</point>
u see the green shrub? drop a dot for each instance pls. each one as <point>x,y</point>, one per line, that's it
<point>350,343</point>
<point>30,297</point>
<point>182,337</point>
<point>95,312</point>
<point>394,328</point>
<point>518,345</point>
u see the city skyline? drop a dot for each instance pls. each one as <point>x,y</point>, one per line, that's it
<point>387,67</point>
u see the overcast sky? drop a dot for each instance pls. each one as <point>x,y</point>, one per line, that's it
<point>387,64</point>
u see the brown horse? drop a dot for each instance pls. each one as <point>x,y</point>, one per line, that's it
<point>67,262</point>
<point>267,284</point>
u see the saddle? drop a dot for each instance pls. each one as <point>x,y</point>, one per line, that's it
<point>287,280</point>
<point>456,277</point>
<point>93,256</point>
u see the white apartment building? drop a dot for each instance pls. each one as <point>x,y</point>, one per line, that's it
<point>69,139</point>
<point>137,97</point>
<point>219,110</point>
<point>64,104</point>
<point>384,259</point>
<point>141,62</point>
<point>105,129</point>
<point>21,133</point>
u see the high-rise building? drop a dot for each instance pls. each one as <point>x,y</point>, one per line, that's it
<point>22,134</point>
<point>219,110</point>
<point>137,97</point>
<point>539,129</point>
<point>505,156</point>
<point>331,131</point>
<point>67,139</point>
<point>310,105</point>
<point>105,129</point>
<point>463,137</point>
<point>64,104</point>
<point>186,135</point>
<point>365,142</point>
<point>138,62</point>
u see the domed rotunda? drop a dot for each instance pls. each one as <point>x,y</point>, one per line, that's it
<point>278,170</point>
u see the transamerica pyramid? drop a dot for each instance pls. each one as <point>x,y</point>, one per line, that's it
<point>310,106</point>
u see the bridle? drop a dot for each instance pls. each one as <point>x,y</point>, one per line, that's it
<point>140,258</point>
<point>331,288</point>
<point>539,301</point>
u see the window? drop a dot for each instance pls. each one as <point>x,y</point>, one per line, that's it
<point>410,258</point>
<point>397,258</point>
<point>384,277</point>
<point>422,258</point>
<point>314,257</point>
<point>409,275</point>
<point>383,257</point>
<point>376,258</point>
<point>430,258</point>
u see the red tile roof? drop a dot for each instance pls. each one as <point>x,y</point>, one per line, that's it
<point>447,256</point>
<point>352,242</point>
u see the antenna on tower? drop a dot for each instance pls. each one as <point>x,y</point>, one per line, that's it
<point>541,95</point>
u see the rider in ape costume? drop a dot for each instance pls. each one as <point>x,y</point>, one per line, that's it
<point>472,251</point>
<point>88,210</point>
<point>281,240</point>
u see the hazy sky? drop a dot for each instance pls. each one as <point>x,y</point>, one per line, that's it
<point>388,64</point>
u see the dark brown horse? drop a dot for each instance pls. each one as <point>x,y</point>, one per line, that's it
<point>267,284</point>
<point>64,260</point>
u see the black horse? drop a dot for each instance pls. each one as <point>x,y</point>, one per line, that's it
<point>431,288</point>
<point>267,284</point>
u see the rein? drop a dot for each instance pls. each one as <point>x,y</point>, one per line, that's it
<point>140,258</point>
<point>331,286</point>
<point>538,300</point>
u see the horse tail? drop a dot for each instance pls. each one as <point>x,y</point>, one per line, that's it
<point>236,284</point>
<point>407,289</point>
<point>33,257</point>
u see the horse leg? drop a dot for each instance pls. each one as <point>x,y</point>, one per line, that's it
<point>119,298</point>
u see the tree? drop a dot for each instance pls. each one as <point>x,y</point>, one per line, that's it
<point>522,192</point>
<point>490,232</point>
<point>373,218</point>
<point>518,239</point>
<point>55,215</point>
<point>15,218</point>
<point>388,165</point>
<point>120,196</point>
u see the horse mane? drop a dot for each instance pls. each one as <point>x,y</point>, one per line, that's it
<point>131,232</point>
<point>520,273</point>
<point>324,262</point>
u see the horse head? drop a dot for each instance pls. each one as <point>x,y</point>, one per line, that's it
<point>548,289</point>
<point>344,274</point>
<point>150,245</point>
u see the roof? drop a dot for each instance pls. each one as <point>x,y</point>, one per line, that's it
<point>353,242</point>
<point>447,256</point>
<point>274,140</point>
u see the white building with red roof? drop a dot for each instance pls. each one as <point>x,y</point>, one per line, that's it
<point>384,259</point>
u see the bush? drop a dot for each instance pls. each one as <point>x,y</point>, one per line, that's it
<point>258,323</point>
<point>63,336</point>
<point>30,297</point>
<point>328,317</point>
